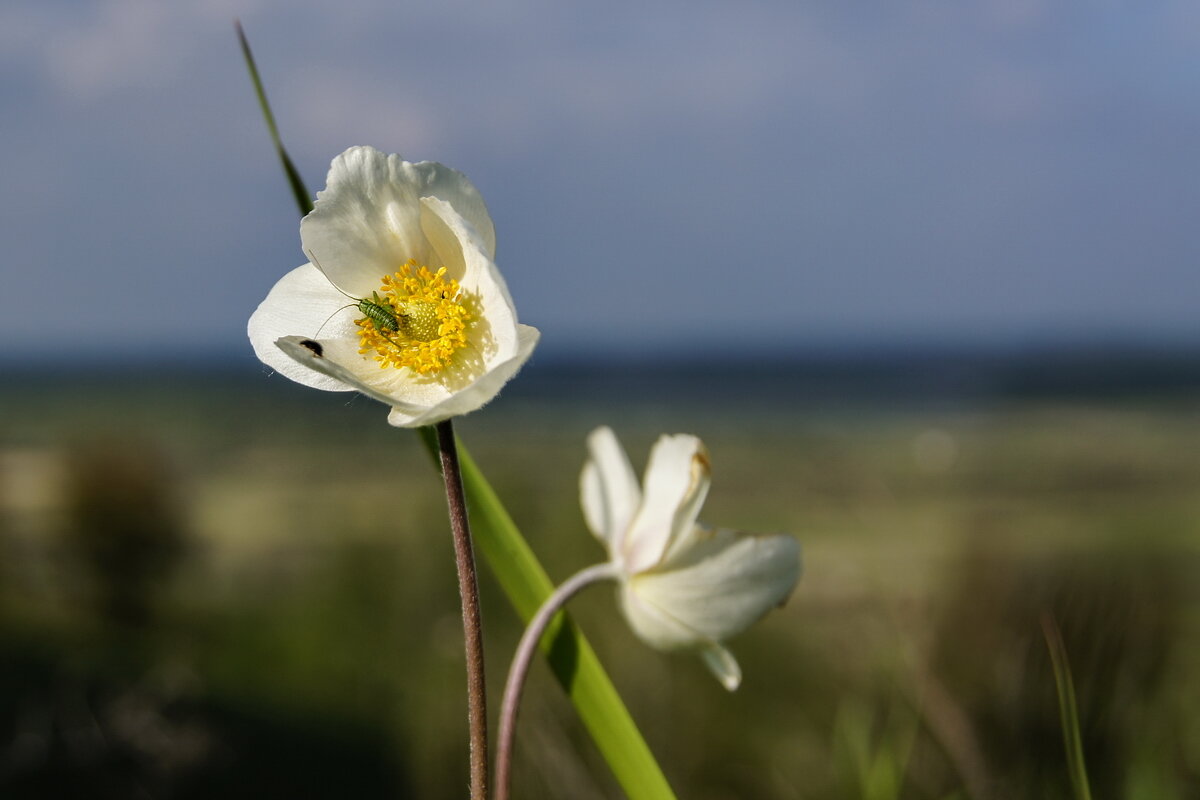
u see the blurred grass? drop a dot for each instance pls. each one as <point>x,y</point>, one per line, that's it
<point>297,633</point>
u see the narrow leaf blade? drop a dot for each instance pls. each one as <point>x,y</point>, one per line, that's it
<point>571,657</point>
<point>303,198</point>
<point>1067,709</point>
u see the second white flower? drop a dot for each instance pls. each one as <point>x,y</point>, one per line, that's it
<point>683,585</point>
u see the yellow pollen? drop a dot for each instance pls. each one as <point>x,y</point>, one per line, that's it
<point>417,320</point>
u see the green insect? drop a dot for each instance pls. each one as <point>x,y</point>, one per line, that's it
<point>379,312</point>
<point>382,315</point>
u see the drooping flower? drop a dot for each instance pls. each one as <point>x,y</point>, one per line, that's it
<point>401,300</point>
<point>682,585</point>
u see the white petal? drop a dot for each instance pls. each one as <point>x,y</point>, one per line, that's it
<point>458,247</point>
<point>449,235</point>
<point>676,483</point>
<point>663,632</point>
<point>656,627</point>
<point>475,395</point>
<point>376,213</point>
<point>723,665</point>
<point>366,223</point>
<point>302,303</point>
<point>724,582</point>
<point>314,356</point>
<point>608,488</point>
<point>438,180</point>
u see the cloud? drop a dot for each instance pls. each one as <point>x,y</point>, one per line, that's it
<point>88,50</point>
<point>537,70</point>
<point>120,45</point>
<point>333,105</point>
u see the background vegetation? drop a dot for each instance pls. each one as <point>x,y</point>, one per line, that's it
<point>217,583</point>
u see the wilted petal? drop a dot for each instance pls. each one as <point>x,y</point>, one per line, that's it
<point>676,483</point>
<point>608,488</point>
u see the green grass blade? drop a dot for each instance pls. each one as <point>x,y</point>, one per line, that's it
<point>567,650</point>
<point>571,658</point>
<point>1067,711</point>
<point>303,198</point>
<point>523,579</point>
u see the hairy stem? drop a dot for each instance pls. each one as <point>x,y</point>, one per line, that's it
<point>524,657</point>
<point>468,590</point>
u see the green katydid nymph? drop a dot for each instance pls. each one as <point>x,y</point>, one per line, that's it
<point>419,321</point>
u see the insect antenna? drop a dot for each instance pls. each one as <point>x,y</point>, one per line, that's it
<point>382,315</point>
<point>313,258</point>
<point>331,316</point>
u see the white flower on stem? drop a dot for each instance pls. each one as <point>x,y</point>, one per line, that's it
<point>683,585</point>
<point>402,300</point>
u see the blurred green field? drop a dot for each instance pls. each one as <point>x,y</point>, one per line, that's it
<point>223,584</point>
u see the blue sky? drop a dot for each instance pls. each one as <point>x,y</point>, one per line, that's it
<point>750,176</point>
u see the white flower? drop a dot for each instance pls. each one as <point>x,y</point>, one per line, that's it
<point>402,300</point>
<point>683,586</point>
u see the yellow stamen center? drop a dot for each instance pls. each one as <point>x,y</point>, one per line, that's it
<point>417,320</point>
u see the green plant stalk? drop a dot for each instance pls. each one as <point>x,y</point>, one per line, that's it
<point>521,576</point>
<point>571,658</point>
<point>1067,710</point>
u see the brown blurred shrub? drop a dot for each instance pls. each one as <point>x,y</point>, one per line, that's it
<point>124,531</point>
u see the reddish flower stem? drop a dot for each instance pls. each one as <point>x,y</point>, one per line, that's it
<point>468,590</point>
<point>524,657</point>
